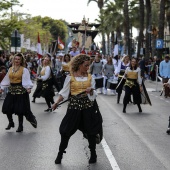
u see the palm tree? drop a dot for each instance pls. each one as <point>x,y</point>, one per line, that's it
<point>101,4</point>
<point>161,25</point>
<point>113,20</point>
<point>126,28</point>
<point>148,28</point>
<point>141,18</point>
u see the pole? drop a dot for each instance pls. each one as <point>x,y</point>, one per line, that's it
<point>156,89</point>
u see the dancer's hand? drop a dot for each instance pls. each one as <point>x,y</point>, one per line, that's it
<point>141,89</point>
<point>1,91</point>
<point>166,84</point>
<point>54,106</point>
<point>29,91</point>
<point>89,90</point>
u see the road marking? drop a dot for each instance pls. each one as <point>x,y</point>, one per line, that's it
<point>109,155</point>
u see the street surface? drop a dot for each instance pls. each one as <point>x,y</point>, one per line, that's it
<point>137,141</point>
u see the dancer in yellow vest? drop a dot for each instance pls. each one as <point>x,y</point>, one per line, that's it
<point>133,85</point>
<point>82,113</point>
<point>17,100</point>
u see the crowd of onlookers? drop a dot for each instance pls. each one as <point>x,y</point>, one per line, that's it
<point>150,68</point>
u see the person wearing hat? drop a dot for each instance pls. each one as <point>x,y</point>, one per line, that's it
<point>164,70</point>
<point>17,100</point>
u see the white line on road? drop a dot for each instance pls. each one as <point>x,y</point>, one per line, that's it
<point>109,155</point>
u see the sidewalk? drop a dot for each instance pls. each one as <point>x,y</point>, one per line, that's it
<point>153,85</point>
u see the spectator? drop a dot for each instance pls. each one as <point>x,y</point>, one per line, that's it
<point>164,71</point>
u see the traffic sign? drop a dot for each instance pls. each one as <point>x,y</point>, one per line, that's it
<point>159,44</point>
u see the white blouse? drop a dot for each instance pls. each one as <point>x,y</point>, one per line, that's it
<point>117,71</point>
<point>47,73</point>
<point>137,70</point>
<point>65,91</point>
<point>26,81</point>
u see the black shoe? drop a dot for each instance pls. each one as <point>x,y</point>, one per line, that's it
<point>48,110</point>
<point>124,110</point>
<point>59,157</point>
<point>20,129</point>
<point>140,110</point>
<point>10,125</point>
<point>93,158</point>
<point>168,131</point>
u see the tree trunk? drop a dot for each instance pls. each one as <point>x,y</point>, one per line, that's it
<point>161,26</point>
<point>112,41</point>
<point>103,44</point>
<point>154,45</point>
<point>108,44</point>
<point>141,36</point>
<point>148,28</point>
<point>126,29</point>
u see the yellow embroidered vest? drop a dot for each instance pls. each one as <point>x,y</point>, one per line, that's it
<point>42,73</point>
<point>132,75</point>
<point>65,67</point>
<point>79,86</point>
<point>16,77</point>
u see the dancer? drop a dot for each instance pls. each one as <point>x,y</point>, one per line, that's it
<point>83,112</point>
<point>47,85</point>
<point>37,92</point>
<point>108,71</point>
<point>96,69</point>
<point>17,100</point>
<point>119,72</point>
<point>133,85</point>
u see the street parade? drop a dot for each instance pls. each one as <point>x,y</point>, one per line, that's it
<point>79,94</point>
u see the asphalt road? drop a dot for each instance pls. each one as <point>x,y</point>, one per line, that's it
<point>137,141</point>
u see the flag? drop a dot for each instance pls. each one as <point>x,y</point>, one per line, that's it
<point>39,50</point>
<point>60,44</point>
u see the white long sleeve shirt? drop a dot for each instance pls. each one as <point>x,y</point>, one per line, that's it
<point>26,81</point>
<point>65,91</point>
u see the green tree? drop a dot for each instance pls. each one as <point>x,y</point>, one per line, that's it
<point>141,29</point>
<point>161,25</point>
<point>101,4</point>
